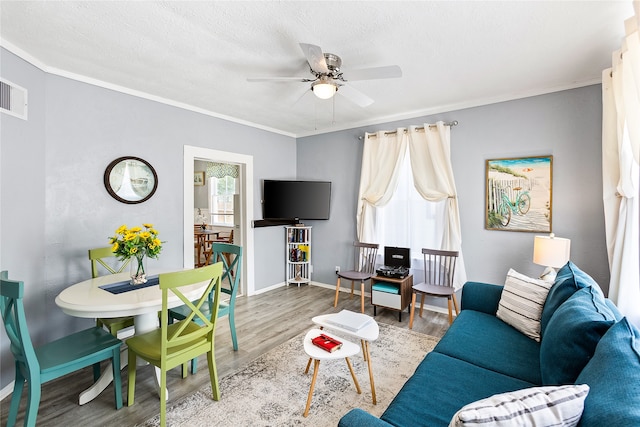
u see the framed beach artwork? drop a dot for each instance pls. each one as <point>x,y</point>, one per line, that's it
<point>518,194</point>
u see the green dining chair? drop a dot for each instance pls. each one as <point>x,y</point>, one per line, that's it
<point>97,257</point>
<point>173,345</point>
<point>231,258</point>
<point>39,365</point>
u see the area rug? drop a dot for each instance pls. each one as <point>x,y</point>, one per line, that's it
<point>272,390</point>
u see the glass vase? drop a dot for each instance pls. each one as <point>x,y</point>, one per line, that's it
<point>138,269</point>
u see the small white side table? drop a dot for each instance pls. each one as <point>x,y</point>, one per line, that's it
<point>367,334</point>
<point>317,354</point>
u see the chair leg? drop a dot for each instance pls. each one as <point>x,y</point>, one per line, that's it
<point>185,369</point>
<point>335,301</point>
<point>194,365</point>
<point>455,304</point>
<point>213,375</point>
<point>450,314</point>
<point>131,388</point>
<point>413,306</point>
<point>361,297</point>
<point>96,371</point>
<point>15,398</point>
<point>33,401</point>
<point>232,326</point>
<point>421,303</point>
<point>163,397</point>
<point>351,290</point>
<point>117,380</point>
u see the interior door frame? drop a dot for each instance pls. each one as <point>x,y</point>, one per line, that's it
<point>191,154</point>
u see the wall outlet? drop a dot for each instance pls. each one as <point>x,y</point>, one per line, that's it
<point>337,269</point>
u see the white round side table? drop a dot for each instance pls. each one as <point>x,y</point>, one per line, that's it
<point>317,354</point>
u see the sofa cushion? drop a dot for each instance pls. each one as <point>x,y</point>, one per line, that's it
<point>484,340</point>
<point>569,280</point>
<point>613,373</point>
<point>480,296</point>
<point>529,407</point>
<point>521,303</point>
<point>440,386</point>
<point>572,335</point>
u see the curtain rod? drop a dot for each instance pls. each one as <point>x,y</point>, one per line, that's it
<point>391,132</point>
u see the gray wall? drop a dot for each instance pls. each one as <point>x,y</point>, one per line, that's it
<point>54,205</point>
<point>564,124</point>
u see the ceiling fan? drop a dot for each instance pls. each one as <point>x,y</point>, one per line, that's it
<point>327,77</point>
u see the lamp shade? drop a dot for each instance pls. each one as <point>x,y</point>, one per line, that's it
<point>551,251</point>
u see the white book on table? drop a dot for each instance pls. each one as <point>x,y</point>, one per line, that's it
<point>349,320</point>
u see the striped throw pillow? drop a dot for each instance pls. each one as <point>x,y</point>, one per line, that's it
<point>521,303</point>
<point>537,406</point>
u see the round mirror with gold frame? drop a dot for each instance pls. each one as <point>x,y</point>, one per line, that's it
<point>130,180</point>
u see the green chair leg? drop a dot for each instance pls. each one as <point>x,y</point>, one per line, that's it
<point>131,389</point>
<point>15,399</point>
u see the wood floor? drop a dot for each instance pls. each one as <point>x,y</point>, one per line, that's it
<point>262,322</point>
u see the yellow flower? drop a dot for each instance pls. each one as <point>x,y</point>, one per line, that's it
<point>129,242</point>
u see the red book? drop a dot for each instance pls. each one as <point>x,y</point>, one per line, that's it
<point>327,343</point>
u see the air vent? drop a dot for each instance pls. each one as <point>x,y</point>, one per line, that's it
<point>13,99</point>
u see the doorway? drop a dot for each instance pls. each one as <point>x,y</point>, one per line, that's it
<point>245,231</point>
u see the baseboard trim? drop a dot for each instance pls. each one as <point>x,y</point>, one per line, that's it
<point>7,390</point>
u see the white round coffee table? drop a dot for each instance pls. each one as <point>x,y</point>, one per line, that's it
<point>317,354</point>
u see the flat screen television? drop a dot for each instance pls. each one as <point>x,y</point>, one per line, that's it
<point>296,199</point>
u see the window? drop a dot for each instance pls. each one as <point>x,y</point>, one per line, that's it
<point>408,220</point>
<point>222,191</point>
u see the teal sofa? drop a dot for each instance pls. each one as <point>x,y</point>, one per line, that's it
<point>584,340</point>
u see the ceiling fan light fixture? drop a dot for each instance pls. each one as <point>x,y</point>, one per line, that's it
<point>324,88</point>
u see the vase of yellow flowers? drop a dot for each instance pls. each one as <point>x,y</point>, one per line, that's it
<point>137,244</point>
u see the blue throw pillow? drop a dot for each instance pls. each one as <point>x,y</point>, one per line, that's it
<point>572,335</point>
<point>569,280</point>
<point>613,374</point>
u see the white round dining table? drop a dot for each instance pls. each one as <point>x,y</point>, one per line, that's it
<point>86,299</point>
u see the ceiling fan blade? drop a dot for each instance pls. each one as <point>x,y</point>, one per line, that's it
<point>355,96</point>
<point>315,57</point>
<point>279,79</point>
<point>388,72</point>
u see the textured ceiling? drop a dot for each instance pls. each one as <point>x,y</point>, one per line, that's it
<point>453,54</point>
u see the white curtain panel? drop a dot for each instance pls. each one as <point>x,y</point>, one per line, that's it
<point>430,154</point>
<point>382,155</point>
<point>621,174</point>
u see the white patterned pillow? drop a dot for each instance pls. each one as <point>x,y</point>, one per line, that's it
<point>521,303</point>
<point>537,406</point>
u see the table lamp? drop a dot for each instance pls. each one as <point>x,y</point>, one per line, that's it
<point>552,252</point>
